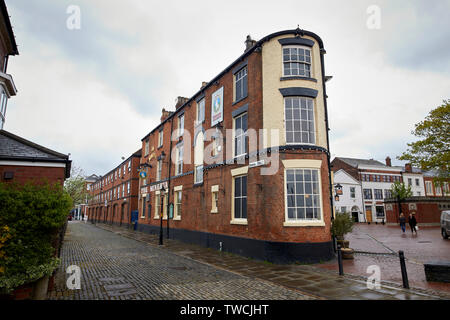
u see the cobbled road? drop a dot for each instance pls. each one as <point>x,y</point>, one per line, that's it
<point>114,267</point>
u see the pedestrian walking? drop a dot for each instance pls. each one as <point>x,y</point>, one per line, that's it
<point>403,222</point>
<point>412,223</point>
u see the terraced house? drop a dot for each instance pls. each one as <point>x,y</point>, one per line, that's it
<point>113,196</point>
<point>243,165</point>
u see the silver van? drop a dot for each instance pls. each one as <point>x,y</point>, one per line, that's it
<point>445,224</point>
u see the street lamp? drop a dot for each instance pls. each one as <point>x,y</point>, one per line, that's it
<point>162,190</point>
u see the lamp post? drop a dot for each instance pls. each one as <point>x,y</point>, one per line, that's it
<point>162,190</point>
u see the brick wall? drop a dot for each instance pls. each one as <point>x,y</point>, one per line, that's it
<point>34,174</point>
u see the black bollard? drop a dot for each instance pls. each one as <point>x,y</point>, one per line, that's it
<point>341,268</point>
<point>403,268</point>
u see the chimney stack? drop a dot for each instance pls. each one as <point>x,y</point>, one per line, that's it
<point>204,84</point>
<point>165,114</point>
<point>249,42</point>
<point>408,167</point>
<point>181,101</point>
<point>388,161</point>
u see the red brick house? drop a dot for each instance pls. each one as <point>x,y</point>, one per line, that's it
<point>244,162</point>
<point>24,161</point>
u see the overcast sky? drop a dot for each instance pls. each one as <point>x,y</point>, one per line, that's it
<point>95,92</point>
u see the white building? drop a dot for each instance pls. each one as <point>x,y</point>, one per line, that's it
<point>350,196</point>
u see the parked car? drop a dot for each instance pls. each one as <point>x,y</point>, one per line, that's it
<point>445,224</point>
<point>70,217</point>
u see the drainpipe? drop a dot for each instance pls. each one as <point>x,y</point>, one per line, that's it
<point>322,52</point>
<point>168,183</point>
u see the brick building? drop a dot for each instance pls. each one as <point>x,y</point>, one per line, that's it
<point>8,48</point>
<point>232,186</point>
<point>375,179</point>
<point>115,195</point>
<point>24,161</point>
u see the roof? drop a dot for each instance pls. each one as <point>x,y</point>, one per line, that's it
<point>15,147</point>
<point>356,162</point>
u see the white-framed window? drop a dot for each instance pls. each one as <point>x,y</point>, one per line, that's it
<point>147,147</point>
<point>438,190</point>
<point>215,199</point>
<point>367,194</point>
<point>129,166</point>
<point>198,157</point>
<point>118,192</point>
<point>124,168</point>
<point>352,192</point>
<point>387,194</point>
<point>123,190</point>
<point>199,174</point>
<point>296,61</point>
<point>240,84</point>
<point>181,125</point>
<point>299,119</point>
<point>201,111</point>
<point>445,188</point>
<point>378,194</point>
<point>177,209</point>
<point>409,182</point>
<point>179,160</point>
<point>240,135</point>
<point>379,211</point>
<point>303,194</point>
<point>417,182</point>
<point>240,197</point>
<point>157,204</point>
<point>158,170</point>
<point>128,188</point>
<point>160,138</point>
<point>429,187</point>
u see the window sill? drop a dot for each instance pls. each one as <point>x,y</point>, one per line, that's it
<point>304,224</point>
<point>156,217</point>
<point>215,211</point>
<point>239,221</point>
<point>297,78</point>
<point>241,99</point>
<point>198,184</point>
<point>176,218</point>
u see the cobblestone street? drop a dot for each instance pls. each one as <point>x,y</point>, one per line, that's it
<point>114,267</point>
<point>119,263</point>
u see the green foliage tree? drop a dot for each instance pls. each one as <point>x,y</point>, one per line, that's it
<point>75,186</point>
<point>30,218</point>
<point>341,225</point>
<point>432,150</point>
<point>400,191</point>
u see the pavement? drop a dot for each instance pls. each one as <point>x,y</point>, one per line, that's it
<point>115,259</point>
<point>377,244</point>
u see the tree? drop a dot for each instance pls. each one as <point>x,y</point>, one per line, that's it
<point>432,150</point>
<point>75,186</point>
<point>400,191</point>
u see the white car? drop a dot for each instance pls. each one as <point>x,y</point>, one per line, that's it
<point>445,224</point>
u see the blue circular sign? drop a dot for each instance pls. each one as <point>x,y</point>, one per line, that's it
<point>143,174</point>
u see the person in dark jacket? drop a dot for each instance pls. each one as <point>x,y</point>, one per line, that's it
<point>402,222</point>
<point>412,223</point>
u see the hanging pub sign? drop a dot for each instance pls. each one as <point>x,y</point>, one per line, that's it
<point>143,174</point>
<point>217,107</point>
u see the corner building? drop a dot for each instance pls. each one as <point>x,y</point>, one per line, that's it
<point>212,172</point>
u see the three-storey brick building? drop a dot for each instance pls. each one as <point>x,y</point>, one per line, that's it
<point>244,162</point>
<point>114,195</point>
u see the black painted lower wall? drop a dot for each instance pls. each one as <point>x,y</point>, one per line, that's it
<point>271,251</point>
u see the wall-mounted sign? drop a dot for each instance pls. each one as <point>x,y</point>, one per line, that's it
<point>217,107</point>
<point>256,164</point>
<point>158,186</point>
<point>143,174</point>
